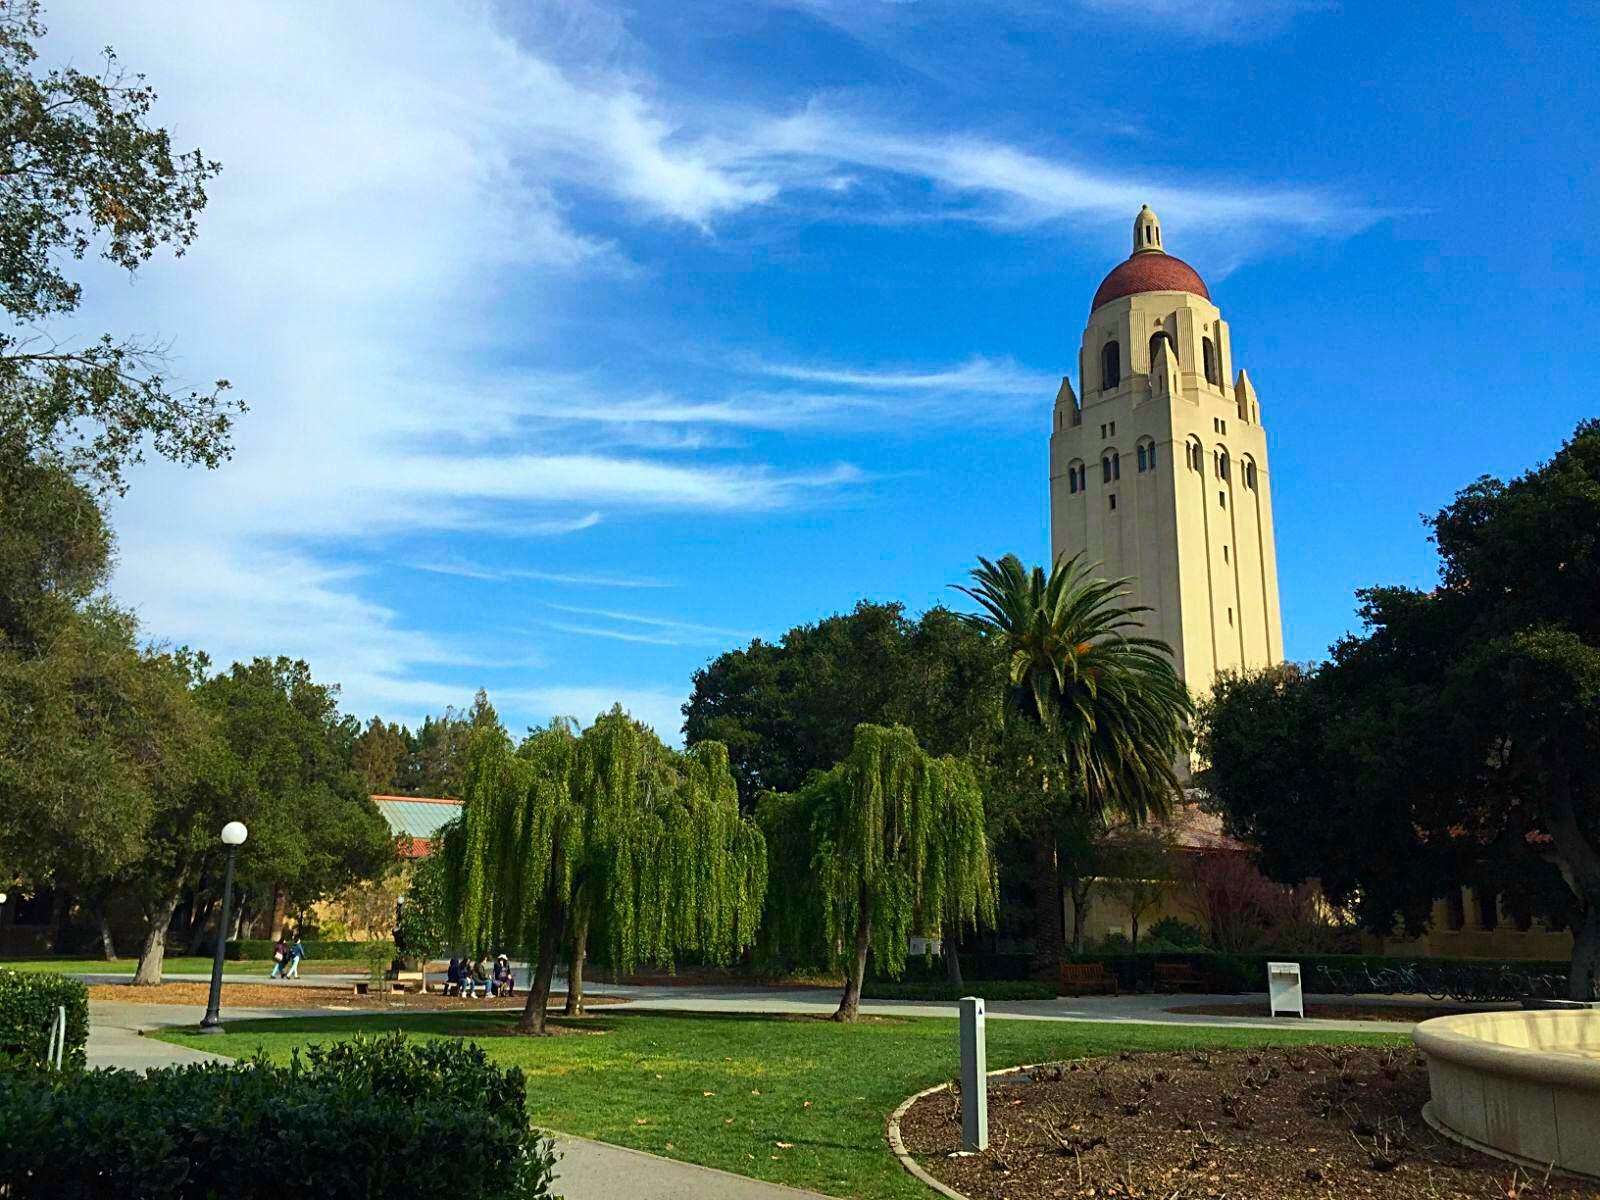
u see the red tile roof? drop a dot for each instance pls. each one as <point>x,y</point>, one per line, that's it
<point>1149,272</point>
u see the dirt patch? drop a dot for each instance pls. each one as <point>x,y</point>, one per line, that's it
<point>1334,1012</point>
<point>267,995</point>
<point>1270,1124</point>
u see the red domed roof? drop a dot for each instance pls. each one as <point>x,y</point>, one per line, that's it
<point>1149,272</point>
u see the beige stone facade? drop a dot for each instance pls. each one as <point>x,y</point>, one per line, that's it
<point>1159,471</point>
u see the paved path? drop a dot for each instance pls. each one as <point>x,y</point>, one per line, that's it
<point>1143,1010</point>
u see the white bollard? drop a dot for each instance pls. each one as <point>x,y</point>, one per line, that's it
<point>974,1076</point>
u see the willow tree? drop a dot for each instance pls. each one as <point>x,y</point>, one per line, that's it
<point>605,835</point>
<point>887,845</point>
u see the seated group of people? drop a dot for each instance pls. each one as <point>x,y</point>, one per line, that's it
<point>464,978</point>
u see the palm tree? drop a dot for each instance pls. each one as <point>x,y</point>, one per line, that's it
<point>1108,699</point>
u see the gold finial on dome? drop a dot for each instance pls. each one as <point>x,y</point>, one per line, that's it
<point>1147,232</point>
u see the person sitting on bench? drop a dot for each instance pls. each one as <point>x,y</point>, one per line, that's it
<point>453,976</point>
<point>504,983</point>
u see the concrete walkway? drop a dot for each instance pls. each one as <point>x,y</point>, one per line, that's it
<point>1143,1010</point>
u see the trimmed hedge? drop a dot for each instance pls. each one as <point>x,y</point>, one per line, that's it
<point>28,1004</point>
<point>989,989</point>
<point>351,1120</point>
<point>255,949</point>
<point>1248,972</point>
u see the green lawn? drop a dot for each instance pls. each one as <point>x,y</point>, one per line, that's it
<point>182,965</point>
<point>799,1101</point>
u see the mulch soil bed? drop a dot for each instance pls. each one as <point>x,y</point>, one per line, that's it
<point>1277,1123</point>
<point>1331,1012</point>
<point>268,995</point>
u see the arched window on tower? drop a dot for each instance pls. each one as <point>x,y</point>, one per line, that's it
<point>1110,366</point>
<point>1156,338</point>
<point>1208,351</point>
<point>1147,455</point>
<point>1196,455</point>
<point>1222,463</point>
<point>1250,474</point>
<point>1074,478</point>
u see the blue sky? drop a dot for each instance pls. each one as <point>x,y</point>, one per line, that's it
<point>583,341</point>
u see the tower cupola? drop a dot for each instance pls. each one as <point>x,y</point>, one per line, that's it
<point>1147,232</point>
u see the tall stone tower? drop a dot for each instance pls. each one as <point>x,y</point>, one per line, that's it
<point>1160,471</point>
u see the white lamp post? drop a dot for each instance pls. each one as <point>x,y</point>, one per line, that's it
<point>233,836</point>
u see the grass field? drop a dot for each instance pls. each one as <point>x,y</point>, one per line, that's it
<point>174,966</point>
<point>794,1100</point>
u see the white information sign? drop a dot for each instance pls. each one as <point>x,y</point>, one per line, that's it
<point>1283,989</point>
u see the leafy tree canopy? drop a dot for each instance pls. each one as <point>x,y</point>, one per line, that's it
<point>789,708</point>
<point>314,828</point>
<point>84,170</point>
<point>1455,739</point>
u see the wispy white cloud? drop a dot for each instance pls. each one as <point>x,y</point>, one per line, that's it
<point>616,635</point>
<point>651,621</point>
<point>1209,20</point>
<point>465,569</point>
<point>355,278</point>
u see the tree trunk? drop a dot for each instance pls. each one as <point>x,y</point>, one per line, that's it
<point>58,919</point>
<point>1080,911</point>
<point>237,932</point>
<point>108,947</point>
<point>201,917</point>
<point>948,939</point>
<point>1579,863</point>
<point>539,992</point>
<point>1134,920</point>
<point>580,945</point>
<point>850,1002</point>
<point>154,949</point>
<point>1046,910</point>
<point>1585,968</point>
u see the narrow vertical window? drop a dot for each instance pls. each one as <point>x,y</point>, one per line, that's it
<point>1222,499</point>
<point>1141,458</point>
<point>1116,466</point>
<point>1110,365</point>
<point>1208,354</point>
<point>1113,499</point>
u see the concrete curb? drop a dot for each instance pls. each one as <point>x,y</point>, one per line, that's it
<point>897,1145</point>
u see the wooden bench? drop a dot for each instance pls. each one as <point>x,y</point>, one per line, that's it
<point>1080,979</point>
<point>1177,977</point>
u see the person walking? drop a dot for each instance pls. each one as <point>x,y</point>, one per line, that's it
<point>296,953</point>
<point>280,958</point>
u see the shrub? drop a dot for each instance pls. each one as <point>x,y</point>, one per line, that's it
<point>354,1119</point>
<point>1178,934</point>
<point>1248,972</point>
<point>28,1005</point>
